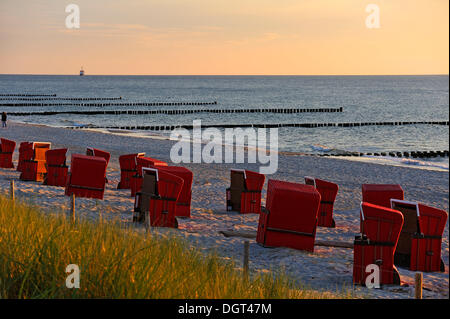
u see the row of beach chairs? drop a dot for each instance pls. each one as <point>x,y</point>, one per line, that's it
<point>392,231</point>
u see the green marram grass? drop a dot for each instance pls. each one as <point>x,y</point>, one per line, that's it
<point>118,262</point>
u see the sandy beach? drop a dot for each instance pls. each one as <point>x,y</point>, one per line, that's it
<point>327,268</point>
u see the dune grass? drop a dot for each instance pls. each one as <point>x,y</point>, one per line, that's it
<point>114,262</point>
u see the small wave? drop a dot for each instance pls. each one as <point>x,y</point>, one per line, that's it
<point>325,149</point>
<point>424,163</point>
<point>441,165</point>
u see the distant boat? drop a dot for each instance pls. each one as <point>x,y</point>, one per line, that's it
<point>81,71</point>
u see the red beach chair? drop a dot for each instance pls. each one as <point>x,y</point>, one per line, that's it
<point>290,216</point>
<point>183,206</point>
<point>56,167</point>
<point>141,162</point>
<point>25,153</point>
<point>33,167</point>
<point>244,193</point>
<point>376,245</point>
<point>419,245</point>
<point>87,176</point>
<point>328,192</point>
<point>6,153</point>
<point>160,192</point>
<point>128,168</point>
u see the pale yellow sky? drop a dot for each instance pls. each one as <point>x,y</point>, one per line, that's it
<point>305,37</point>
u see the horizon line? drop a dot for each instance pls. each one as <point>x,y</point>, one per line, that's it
<point>75,74</point>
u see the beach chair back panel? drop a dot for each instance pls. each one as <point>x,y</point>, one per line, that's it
<point>99,153</point>
<point>426,246</point>
<point>6,153</point>
<point>381,230</point>
<point>142,162</point>
<point>254,181</point>
<point>183,206</point>
<point>251,197</point>
<point>381,194</point>
<point>87,176</point>
<point>328,192</point>
<point>40,150</point>
<point>128,168</point>
<point>294,207</point>
<point>56,157</point>
<point>56,167</point>
<point>290,219</point>
<point>26,153</point>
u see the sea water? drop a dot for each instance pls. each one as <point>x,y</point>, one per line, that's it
<point>363,99</point>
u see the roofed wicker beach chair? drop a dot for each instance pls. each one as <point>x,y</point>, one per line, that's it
<point>33,165</point>
<point>99,153</point>
<point>290,216</point>
<point>328,192</point>
<point>244,193</point>
<point>6,153</point>
<point>419,245</point>
<point>136,179</point>
<point>56,167</point>
<point>376,244</point>
<point>156,202</point>
<point>128,168</point>
<point>25,153</point>
<point>183,206</point>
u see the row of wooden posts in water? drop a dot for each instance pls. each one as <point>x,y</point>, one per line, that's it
<point>413,154</point>
<point>179,112</point>
<point>261,125</point>
<point>53,98</point>
<point>110,104</point>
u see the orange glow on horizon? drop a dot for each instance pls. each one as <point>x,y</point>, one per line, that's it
<point>251,37</point>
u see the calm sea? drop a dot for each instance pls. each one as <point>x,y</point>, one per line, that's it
<point>363,98</point>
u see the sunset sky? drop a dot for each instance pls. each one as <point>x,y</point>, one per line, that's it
<point>304,37</point>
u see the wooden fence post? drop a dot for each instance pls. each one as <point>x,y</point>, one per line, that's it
<point>246,258</point>
<point>418,285</point>
<point>11,190</point>
<point>72,208</point>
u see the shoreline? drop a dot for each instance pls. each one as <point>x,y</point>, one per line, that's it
<point>327,268</point>
<point>378,160</point>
